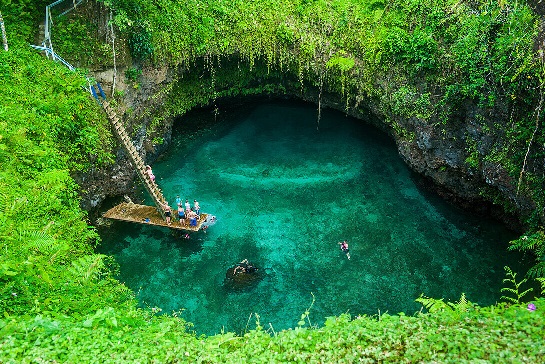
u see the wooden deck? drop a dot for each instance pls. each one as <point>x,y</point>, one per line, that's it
<point>149,215</point>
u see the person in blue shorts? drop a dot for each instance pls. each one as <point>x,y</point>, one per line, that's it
<point>181,214</point>
<point>192,216</point>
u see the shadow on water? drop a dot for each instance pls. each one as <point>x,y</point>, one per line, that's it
<point>285,194</point>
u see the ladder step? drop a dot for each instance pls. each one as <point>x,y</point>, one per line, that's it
<point>136,160</point>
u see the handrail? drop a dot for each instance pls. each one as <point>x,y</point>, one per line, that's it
<point>49,21</point>
<point>119,130</point>
<point>54,55</point>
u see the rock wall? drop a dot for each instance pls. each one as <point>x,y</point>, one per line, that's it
<point>136,107</point>
<point>439,155</point>
<point>439,159</point>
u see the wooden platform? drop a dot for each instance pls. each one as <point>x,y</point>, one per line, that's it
<point>149,215</point>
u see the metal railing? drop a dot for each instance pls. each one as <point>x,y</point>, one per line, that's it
<point>54,10</point>
<point>51,54</point>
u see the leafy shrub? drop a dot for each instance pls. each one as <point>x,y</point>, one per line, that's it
<point>417,49</point>
<point>132,74</point>
<point>140,42</point>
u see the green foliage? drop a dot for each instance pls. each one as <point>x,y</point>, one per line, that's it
<point>534,243</point>
<point>76,39</point>
<point>109,335</point>
<point>158,141</point>
<point>417,49</point>
<point>438,305</point>
<point>50,129</point>
<point>516,295</point>
<point>343,64</point>
<point>132,74</point>
<point>542,282</point>
<point>305,315</point>
<point>415,59</point>
<point>140,42</point>
<point>20,17</point>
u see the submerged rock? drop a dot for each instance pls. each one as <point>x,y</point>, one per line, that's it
<point>241,276</point>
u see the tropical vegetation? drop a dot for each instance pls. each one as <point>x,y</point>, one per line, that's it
<point>423,60</point>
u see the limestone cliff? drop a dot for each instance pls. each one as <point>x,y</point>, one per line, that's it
<point>454,156</point>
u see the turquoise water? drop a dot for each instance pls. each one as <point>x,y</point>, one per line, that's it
<point>285,193</point>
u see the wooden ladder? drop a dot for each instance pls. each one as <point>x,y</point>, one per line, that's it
<point>135,159</point>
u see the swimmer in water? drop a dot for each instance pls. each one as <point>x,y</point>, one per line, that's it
<point>344,248</point>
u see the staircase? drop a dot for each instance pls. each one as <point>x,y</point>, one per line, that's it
<point>135,159</point>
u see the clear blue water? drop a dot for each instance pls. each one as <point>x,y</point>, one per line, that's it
<point>285,193</point>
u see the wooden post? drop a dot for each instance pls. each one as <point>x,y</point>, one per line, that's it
<point>4,37</point>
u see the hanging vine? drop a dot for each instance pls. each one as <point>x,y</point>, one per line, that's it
<point>537,114</point>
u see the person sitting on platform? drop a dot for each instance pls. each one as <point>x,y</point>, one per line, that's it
<point>192,216</point>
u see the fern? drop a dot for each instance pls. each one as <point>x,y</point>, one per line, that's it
<point>88,267</point>
<point>516,295</point>
<point>538,270</point>
<point>534,243</point>
<point>438,305</point>
<point>542,282</point>
<point>432,304</point>
<point>39,242</point>
<point>463,305</point>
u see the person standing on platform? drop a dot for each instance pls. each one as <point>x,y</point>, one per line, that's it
<point>178,200</point>
<point>168,212</point>
<point>192,216</point>
<point>181,214</point>
<point>196,207</point>
<point>187,205</point>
